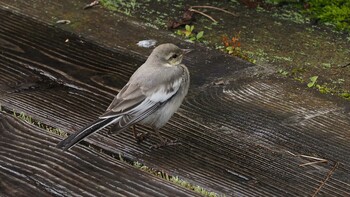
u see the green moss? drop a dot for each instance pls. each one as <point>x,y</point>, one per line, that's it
<point>174,179</point>
<point>326,88</point>
<point>28,119</point>
<point>332,88</point>
<point>335,12</point>
<point>292,15</point>
<point>126,7</point>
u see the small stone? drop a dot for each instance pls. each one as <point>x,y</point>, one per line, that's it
<point>63,22</point>
<point>146,43</point>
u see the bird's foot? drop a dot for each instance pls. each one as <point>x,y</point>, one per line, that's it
<point>141,136</point>
<point>165,142</point>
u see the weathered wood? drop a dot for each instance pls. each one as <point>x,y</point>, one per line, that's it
<point>243,139</point>
<point>31,165</point>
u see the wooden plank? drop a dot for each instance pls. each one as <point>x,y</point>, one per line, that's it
<point>241,139</point>
<point>30,164</point>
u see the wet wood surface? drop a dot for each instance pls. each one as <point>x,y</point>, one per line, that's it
<point>31,165</point>
<point>240,135</point>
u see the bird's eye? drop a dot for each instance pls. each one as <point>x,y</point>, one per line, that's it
<point>174,56</point>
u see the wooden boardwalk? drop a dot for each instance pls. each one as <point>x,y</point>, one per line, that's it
<point>246,137</point>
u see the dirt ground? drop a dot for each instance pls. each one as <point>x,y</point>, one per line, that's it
<point>278,38</point>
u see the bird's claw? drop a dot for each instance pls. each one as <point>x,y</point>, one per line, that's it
<point>165,142</point>
<point>140,137</point>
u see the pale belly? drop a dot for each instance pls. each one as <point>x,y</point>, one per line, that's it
<point>159,118</point>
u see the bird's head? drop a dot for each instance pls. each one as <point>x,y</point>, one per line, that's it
<point>168,55</point>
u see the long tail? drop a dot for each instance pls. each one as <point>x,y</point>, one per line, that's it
<point>88,130</point>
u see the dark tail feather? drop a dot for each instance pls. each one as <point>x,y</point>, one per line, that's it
<point>88,130</point>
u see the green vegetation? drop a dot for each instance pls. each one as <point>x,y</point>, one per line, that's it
<point>329,12</point>
<point>232,46</point>
<point>301,51</point>
<point>335,12</point>
<point>292,15</point>
<point>175,179</point>
<point>123,6</point>
<point>332,87</point>
<point>327,78</point>
<point>189,34</point>
<point>312,81</point>
<point>28,119</point>
<point>167,177</point>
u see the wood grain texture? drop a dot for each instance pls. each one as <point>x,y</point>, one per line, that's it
<point>30,164</point>
<point>243,138</point>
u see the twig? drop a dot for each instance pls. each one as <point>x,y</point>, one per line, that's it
<point>314,162</point>
<point>92,4</point>
<point>287,151</point>
<point>326,179</point>
<point>345,65</point>
<point>214,8</point>
<point>318,160</point>
<point>311,157</point>
<point>199,12</point>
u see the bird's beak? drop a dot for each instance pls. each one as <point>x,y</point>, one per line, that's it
<point>185,51</point>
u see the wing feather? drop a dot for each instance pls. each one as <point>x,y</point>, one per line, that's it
<point>138,102</point>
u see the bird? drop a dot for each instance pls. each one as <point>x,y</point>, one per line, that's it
<point>152,95</point>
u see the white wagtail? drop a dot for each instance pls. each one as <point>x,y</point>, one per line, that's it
<point>153,94</point>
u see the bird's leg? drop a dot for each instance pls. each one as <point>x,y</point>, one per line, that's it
<point>163,141</point>
<point>139,136</point>
<point>134,131</point>
<point>112,129</point>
